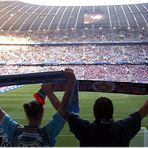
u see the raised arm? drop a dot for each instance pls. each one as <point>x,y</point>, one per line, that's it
<point>47,88</point>
<point>143,111</point>
<point>68,92</point>
<point>61,106</point>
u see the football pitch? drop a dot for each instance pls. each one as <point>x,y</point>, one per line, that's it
<point>13,100</point>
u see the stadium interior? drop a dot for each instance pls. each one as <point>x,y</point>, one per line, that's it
<point>104,43</point>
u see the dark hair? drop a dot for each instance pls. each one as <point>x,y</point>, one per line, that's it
<point>33,109</point>
<point>103,108</point>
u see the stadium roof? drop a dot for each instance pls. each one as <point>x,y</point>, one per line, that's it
<point>19,16</point>
<point>81,2</point>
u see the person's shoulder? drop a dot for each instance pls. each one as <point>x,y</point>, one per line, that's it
<point>130,119</point>
<point>73,116</point>
<point>134,115</point>
<point>76,118</point>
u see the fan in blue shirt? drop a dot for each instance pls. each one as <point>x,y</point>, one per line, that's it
<point>33,135</point>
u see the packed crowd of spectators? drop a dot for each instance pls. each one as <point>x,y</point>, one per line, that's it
<point>11,57</point>
<point>123,73</point>
<point>69,54</point>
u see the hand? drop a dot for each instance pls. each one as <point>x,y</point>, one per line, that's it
<point>68,70</point>
<point>47,87</point>
<point>68,73</point>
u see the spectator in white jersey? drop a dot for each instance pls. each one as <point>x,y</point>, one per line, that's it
<point>32,134</point>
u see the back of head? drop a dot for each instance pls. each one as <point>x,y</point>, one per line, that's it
<point>103,108</point>
<point>33,110</point>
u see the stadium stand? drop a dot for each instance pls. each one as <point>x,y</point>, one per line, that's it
<point>82,54</point>
<point>122,73</point>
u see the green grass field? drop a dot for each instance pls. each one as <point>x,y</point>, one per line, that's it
<point>12,102</point>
